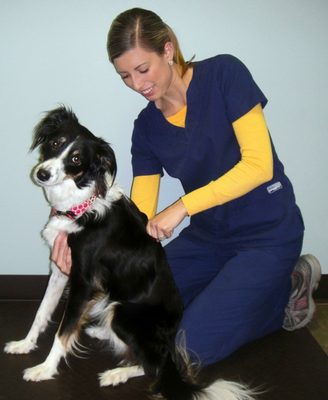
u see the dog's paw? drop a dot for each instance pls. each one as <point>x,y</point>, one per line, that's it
<point>114,377</point>
<point>97,332</point>
<point>19,347</point>
<point>41,372</point>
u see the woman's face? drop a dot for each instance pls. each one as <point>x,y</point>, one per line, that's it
<point>145,72</point>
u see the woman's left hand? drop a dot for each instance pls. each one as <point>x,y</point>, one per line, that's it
<point>163,224</point>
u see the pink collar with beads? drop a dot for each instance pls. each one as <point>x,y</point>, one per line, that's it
<point>77,210</point>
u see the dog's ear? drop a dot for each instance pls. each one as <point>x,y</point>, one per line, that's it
<point>106,165</point>
<point>52,122</point>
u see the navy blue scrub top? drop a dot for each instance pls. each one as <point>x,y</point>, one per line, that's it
<point>221,91</point>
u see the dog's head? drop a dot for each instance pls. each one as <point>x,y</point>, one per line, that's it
<point>69,151</point>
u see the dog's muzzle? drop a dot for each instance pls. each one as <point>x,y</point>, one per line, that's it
<point>42,175</point>
<point>49,172</point>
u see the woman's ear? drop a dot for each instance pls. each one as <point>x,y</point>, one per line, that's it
<point>169,51</point>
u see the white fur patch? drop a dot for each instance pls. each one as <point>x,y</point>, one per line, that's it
<point>55,168</point>
<point>97,332</point>
<point>55,288</point>
<point>114,377</point>
<point>114,193</point>
<point>48,369</point>
<point>23,346</point>
<point>65,196</point>
<point>226,390</point>
<point>104,314</point>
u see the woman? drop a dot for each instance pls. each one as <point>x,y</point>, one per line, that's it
<point>204,125</point>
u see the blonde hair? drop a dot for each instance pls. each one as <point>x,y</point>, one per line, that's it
<point>144,28</point>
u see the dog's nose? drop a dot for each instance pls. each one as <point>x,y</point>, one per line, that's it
<point>43,175</point>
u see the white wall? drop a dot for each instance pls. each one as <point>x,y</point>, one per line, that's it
<point>54,52</point>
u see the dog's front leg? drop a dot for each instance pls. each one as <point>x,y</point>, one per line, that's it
<point>66,340</point>
<point>55,288</point>
<point>48,369</point>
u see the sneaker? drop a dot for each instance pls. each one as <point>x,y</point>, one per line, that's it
<point>305,280</point>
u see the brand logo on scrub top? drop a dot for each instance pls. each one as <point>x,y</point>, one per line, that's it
<point>274,187</point>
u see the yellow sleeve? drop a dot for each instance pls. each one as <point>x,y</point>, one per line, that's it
<point>254,168</point>
<point>144,193</point>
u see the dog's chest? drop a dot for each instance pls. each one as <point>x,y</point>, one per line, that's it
<point>58,224</point>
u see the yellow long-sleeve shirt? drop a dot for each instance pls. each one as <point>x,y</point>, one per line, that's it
<point>254,168</point>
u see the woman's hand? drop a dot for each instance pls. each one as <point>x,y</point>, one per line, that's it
<point>163,224</point>
<point>61,253</point>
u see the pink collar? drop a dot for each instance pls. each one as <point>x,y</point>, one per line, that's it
<point>76,211</point>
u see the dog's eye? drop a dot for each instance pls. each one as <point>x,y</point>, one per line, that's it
<point>56,143</point>
<point>76,159</point>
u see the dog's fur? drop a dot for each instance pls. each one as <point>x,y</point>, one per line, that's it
<point>120,279</point>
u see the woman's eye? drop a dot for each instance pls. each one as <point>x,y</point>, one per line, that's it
<point>144,71</point>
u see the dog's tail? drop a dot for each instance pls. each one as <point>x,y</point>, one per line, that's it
<point>178,380</point>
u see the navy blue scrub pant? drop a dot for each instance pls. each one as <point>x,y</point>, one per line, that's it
<point>232,294</point>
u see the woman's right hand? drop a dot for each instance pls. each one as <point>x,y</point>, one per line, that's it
<point>163,224</point>
<point>61,253</point>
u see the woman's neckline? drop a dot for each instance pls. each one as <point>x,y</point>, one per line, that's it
<point>188,82</point>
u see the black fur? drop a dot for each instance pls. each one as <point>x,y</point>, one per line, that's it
<point>114,256</point>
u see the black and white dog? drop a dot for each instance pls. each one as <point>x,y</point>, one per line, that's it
<point>120,279</point>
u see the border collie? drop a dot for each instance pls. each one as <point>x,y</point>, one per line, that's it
<point>120,279</point>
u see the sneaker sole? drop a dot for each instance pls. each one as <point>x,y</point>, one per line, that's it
<point>314,283</point>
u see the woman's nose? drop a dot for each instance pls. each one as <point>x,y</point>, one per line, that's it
<point>136,83</point>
